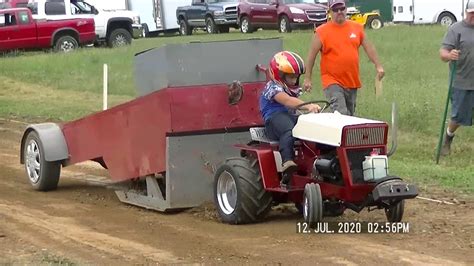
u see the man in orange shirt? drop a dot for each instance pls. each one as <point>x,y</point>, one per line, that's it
<point>339,41</point>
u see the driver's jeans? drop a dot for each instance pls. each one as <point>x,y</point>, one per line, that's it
<point>279,127</point>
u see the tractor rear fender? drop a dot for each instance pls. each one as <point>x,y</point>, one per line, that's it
<point>267,164</point>
<point>52,140</point>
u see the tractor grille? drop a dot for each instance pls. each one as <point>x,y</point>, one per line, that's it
<point>356,157</point>
<point>316,15</point>
<point>365,136</point>
<point>231,11</point>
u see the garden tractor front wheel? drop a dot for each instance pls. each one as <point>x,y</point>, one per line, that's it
<point>374,22</point>
<point>312,204</point>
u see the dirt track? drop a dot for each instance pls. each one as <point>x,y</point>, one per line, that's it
<point>83,222</point>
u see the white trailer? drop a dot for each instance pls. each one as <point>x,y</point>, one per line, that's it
<point>157,16</point>
<point>444,12</point>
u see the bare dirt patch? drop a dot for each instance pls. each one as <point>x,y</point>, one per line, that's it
<point>83,222</point>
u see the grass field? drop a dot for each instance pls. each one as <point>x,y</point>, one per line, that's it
<point>42,86</point>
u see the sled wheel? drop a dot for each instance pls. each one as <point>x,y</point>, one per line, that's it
<point>43,175</point>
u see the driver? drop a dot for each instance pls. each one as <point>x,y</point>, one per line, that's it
<point>280,94</point>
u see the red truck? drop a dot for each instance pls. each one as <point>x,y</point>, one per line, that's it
<point>18,30</point>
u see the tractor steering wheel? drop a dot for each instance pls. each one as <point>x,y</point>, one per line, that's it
<point>303,111</point>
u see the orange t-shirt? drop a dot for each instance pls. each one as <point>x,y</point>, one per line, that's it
<point>340,53</point>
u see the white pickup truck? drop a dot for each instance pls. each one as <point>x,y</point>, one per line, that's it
<point>114,27</point>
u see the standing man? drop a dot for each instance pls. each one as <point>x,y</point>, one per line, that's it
<point>339,41</point>
<point>458,45</point>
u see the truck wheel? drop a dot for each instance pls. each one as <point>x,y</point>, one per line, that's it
<point>184,28</point>
<point>145,31</point>
<point>66,44</point>
<point>284,24</point>
<point>119,37</point>
<point>312,204</point>
<point>446,19</point>
<point>245,25</point>
<point>224,29</point>
<point>239,194</point>
<point>394,213</point>
<point>374,22</point>
<point>211,26</point>
<point>43,175</point>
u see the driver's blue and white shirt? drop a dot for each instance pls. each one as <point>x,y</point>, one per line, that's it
<point>268,105</point>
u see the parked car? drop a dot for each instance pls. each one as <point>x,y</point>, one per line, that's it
<point>18,30</point>
<point>284,15</point>
<point>13,4</point>
<point>213,15</point>
<point>114,27</point>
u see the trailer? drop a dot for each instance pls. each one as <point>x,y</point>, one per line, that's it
<point>157,16</point>
<point>444,12</point>
<point>163,147</point>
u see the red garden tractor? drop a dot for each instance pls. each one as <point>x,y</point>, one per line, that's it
<point>198,104</point>
<point>342,164</point>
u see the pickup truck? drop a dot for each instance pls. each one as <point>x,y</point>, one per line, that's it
<point>113,27</point>
<point>18,30</point>
<point>213,15</point>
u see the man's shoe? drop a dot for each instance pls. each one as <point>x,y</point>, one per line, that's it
<point>446,148</point>
<point>288,169</point>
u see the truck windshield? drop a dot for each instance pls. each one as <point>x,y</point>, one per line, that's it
<point>299,1</point>
<point>221,1</point>
<point>80,7</point>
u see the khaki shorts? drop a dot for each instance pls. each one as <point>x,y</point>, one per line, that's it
<point>341,99</point>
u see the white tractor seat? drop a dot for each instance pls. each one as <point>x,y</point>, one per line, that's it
<point>259,134</point>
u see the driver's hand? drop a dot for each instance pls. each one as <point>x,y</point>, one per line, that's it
<point>314,108</point>
<point>307,85</point>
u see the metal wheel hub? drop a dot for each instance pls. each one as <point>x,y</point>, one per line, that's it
<point>283,25</point>
<point>306,208</point>
<point>245,26</point>
<point>446,21</point>
<point>375,24</point>
<point>67,46</point>
<point>32,160</point>
<point>120,40</point>
<point>209,27</point>
<point>226,193</point>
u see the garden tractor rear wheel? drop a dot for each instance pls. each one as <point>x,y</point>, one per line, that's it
<point>239,194</point>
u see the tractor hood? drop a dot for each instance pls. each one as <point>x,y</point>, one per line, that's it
<point>326,128</point>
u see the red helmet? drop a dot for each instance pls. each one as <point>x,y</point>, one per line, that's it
<point>285,63</point>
